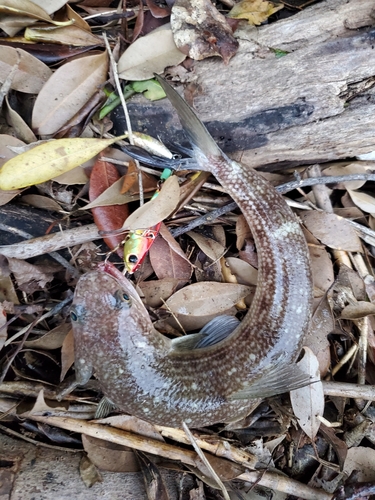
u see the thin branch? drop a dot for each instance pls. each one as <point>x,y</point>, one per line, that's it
<point>126,113</point>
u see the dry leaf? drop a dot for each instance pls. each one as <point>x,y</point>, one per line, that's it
<point>67,354</point>
<point>353,168</point>
<point>362,460</point>
<point>109,456</point>
<point>30,75</point>
<point>244,272</point>
<point>200,30</point>
<point>38,201</point>
<point>210,247</point>
<point>156,291</point>
<point>51,340</point>
<point>21,129</point>
<point>364,201</point>
<point>64,35</point>
<point>28,276</point>
<point>358,310</point>
<point>255,11</point>
<point>333,231</point>
<point>148,55</point>
<point>3,327</point>
<point>308,402</point>
<point>322,324</point>
<point>206,298</point>
<point>157,209</point>
<point>68,89</point>
<point>167,263</point>
<point>51,158</point>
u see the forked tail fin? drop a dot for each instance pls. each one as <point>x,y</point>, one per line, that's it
<point>197,133</point>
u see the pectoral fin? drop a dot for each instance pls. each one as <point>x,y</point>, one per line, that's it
<point>197,133</point>
<point>215,331</point>
<point>278,380</point>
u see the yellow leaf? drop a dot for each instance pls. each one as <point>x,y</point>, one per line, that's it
<point>255,11</point>
<point>48,160</point>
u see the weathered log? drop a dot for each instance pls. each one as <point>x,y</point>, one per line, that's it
<point>313,104</point>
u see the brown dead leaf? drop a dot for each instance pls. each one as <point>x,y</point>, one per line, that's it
<point>68,89</point>
<point>28,276</point>
<point>357,167</point>
<point>205,298</point>
<point>51,340</point>
<point>88,472</point>
<point>333,231</point>
<point>200,30</point>
<point>358,310</point>
<point>64,35</point>
<point>38,201</point>
<point>255,11</point>
<point>244,272</point>
<point>322,324</point>
<point>156,291</point>
<point>3,328</point>
<point>67,354</point>
<point>168,259</point>
<point>30,75</point>
<point>308,401</point>
<point>209,246</point>
<point>20,127</point>
<point>109,456</point>
<point>158,208</point>
<point>362,460</point>
<point>364,201</point>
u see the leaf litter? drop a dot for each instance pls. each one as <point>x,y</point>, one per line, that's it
<point>174,280</point>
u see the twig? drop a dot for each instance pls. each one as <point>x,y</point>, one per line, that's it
<point>52,253</point>
<point>268,479</point>
<point>55,310</point>
<point>206,462</point>
<point>346,390</point>
<point>126,113</point>
<point>51,242</point>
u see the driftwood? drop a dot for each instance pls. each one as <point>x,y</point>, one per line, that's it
<point>313,105</point>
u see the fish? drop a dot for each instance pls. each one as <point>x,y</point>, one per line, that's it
<point>170,381</point>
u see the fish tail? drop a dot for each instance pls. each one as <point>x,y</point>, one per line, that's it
<point>198,135</point>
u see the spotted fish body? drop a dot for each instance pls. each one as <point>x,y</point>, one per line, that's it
<point>150,376</point>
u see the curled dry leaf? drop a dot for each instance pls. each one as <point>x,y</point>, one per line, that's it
<point>65,35</point>
<point>308,401</point>
<point>206,298</point>
<point>30,75</point>
<point>148,55</point>
<point>51,158</point>
<point>333,231</point>
<point>21,129</point>
<point>200,30</point>
<point>68,90</point>
<point>6,154</point>
<point>158,209</point>
<point>358,310</point>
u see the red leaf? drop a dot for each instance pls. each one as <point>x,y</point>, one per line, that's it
<point>103,175</point>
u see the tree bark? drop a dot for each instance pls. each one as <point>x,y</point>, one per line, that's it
<point>314,104</point>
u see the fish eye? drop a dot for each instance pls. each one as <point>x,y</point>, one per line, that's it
<point>123,300</point>
<point>73,316</point>
<point>133,259</point>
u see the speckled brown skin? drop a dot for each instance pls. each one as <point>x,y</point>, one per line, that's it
<point>139,369</point>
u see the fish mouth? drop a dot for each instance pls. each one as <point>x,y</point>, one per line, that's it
<point>109,269</point>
